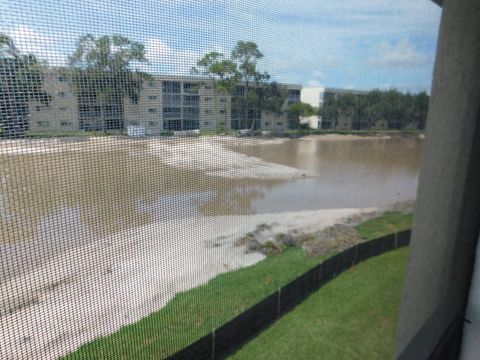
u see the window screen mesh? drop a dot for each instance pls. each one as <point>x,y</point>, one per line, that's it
<point>166,165</point>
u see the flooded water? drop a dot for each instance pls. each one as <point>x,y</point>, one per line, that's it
<point>358,173</point>
<point>57,196</point>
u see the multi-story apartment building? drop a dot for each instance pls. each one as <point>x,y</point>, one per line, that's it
<point>62,112</point>
<point>165,103</point>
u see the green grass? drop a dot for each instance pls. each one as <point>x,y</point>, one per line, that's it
<point>195,313</point>
<point>352,317</point>
<point>388,223</point>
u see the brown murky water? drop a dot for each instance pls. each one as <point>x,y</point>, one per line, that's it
<point>53,200</point>
<point>361,173</point>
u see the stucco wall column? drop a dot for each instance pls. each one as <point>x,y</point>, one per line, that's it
<point>445,229</point>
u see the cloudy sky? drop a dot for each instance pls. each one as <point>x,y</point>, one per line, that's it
<point>361,44</point>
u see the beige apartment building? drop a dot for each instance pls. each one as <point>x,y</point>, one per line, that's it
<point>166,103</point>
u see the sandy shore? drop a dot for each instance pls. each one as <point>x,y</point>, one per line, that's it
<point>210,155</point>
<point>165,147</point>
<point>96,289</point>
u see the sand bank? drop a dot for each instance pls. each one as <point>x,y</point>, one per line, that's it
<point>97,288</point>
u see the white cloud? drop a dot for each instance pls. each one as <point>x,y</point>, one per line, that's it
<point>314,83</point>
<point>44,47</point>
<point>411,87</point>
<point>337,37</point>
<point>330,41</point>
<point>318,74</point>
<point>400,55</point>
<point>164,59</point>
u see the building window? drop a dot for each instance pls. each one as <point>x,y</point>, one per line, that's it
<point>208,111</point>
<point>152,123</point>
<point>62,78</point>
<point>170,100</point>
<point>208,87</point>
<point>208,99</point>
<point>190,100</point>
<point>240,91</point>
<point>191,113</point>
<point>171,113</point>
<point>190,124</point>
<point>171,87</point>
<point>43,123</point>
<point>279,123</point>
<point>152,97</point>
<point>267,123</point>
<point>223,100</point>
<point>172,124</point>
<point>134,123</point>
<point>152,111</point>
<point>293,93</point>
<point>221,111</point>
<point>190,88</point>
<point>61,94</point>
<point>65,123</point>
<point>40,108</point>
<point>151,84</point>
<point>63,108</point>
<point>206,123</point>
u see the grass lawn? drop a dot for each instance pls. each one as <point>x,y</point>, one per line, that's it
<point>352,317</point>
<point>195,313</point>
<point>388,223</point>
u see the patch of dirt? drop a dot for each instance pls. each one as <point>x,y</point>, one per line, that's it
<point>266,240</point>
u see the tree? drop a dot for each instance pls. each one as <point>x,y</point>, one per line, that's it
<point>246,54</point>
<point>272,97</point>
<point>300,109</point>
<point>420,109</point>
<point>102,77</point>
<point>399,110</point>
<point>224,75</point>
<point>20,83</point>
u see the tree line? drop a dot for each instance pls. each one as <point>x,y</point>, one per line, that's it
<point>365,110</point>
<point>101,75</point>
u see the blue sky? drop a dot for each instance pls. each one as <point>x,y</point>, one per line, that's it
<point>361,44</point>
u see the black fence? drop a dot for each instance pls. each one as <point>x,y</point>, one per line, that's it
<point>228,338</point>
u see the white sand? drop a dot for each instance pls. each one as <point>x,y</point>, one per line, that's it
<point>97,288</point>
<point>210,155</point>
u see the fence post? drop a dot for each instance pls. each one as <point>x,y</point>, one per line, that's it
<point>279,303</point>
<point>213,344</point>
<point>355,258</point>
